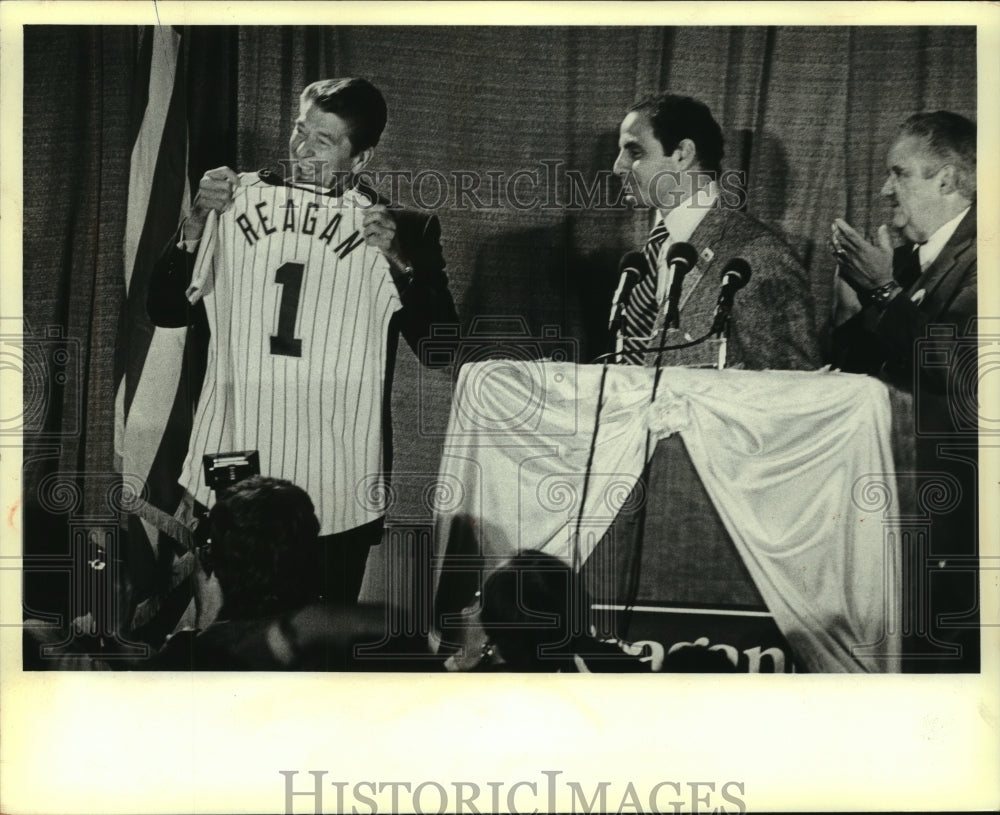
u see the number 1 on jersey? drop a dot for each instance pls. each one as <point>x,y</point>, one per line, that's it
<point>289,277</point>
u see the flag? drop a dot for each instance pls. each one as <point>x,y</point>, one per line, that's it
<point>156,368</point>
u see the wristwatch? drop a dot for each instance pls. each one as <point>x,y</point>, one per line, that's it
<point>881,295</point>
<point>404,277</point>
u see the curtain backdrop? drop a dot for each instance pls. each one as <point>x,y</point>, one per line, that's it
<point>808,114</point>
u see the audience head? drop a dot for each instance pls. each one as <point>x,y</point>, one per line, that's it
<point>262,535</point>
<point>533,610</point>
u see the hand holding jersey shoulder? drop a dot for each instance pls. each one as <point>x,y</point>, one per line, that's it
<point>215,193</point>
<point>379,228</point>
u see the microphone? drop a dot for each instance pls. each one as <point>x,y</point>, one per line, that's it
<point>735,276</point>
<point>630,267</point>
<point>681,257</point>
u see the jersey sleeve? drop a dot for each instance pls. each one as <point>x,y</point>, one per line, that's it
<point>203,274</point>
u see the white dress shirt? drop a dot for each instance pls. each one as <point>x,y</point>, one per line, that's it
<point>681,222</point>
<point>929,251</point>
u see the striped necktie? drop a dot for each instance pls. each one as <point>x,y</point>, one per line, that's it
<point>642,306</point>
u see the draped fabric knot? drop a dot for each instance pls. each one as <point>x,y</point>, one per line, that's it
<point>669,414</point>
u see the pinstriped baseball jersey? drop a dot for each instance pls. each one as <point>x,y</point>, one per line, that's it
<point>299,308</point>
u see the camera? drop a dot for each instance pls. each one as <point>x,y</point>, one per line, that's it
<point>222,470</point>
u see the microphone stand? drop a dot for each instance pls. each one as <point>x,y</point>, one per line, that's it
<point>723,336</point>
<point>632,586</point>
<point>576,558</point>
<point>590,463</point>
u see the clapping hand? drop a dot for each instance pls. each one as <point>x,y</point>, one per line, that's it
<point>864,265</point>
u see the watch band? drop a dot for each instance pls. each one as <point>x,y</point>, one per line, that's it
<point>881,295</point>
<point>404,277</point>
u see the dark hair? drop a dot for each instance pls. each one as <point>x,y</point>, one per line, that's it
<point>534,610</point>
<point>950,139</point>
<point>675,118</point>
<point>357,101</point>
<point>264,548</point>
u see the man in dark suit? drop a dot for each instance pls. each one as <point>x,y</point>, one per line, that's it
<point>916,330</point>
<point>670,151</point>
<point>333,140</point>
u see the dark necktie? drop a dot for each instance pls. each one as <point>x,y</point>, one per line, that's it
<point>907,267</point>
<point>642,306</point>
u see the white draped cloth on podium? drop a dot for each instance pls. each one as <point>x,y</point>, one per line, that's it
<point>797,464</point>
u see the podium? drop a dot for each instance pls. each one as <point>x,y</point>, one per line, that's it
<point>735,501</point>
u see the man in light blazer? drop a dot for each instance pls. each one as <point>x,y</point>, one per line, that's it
<point>670,151</point>
<point>917,331</point>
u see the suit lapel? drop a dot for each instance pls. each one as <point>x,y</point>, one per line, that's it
<point>702,239</point>
<point>937,281</point>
